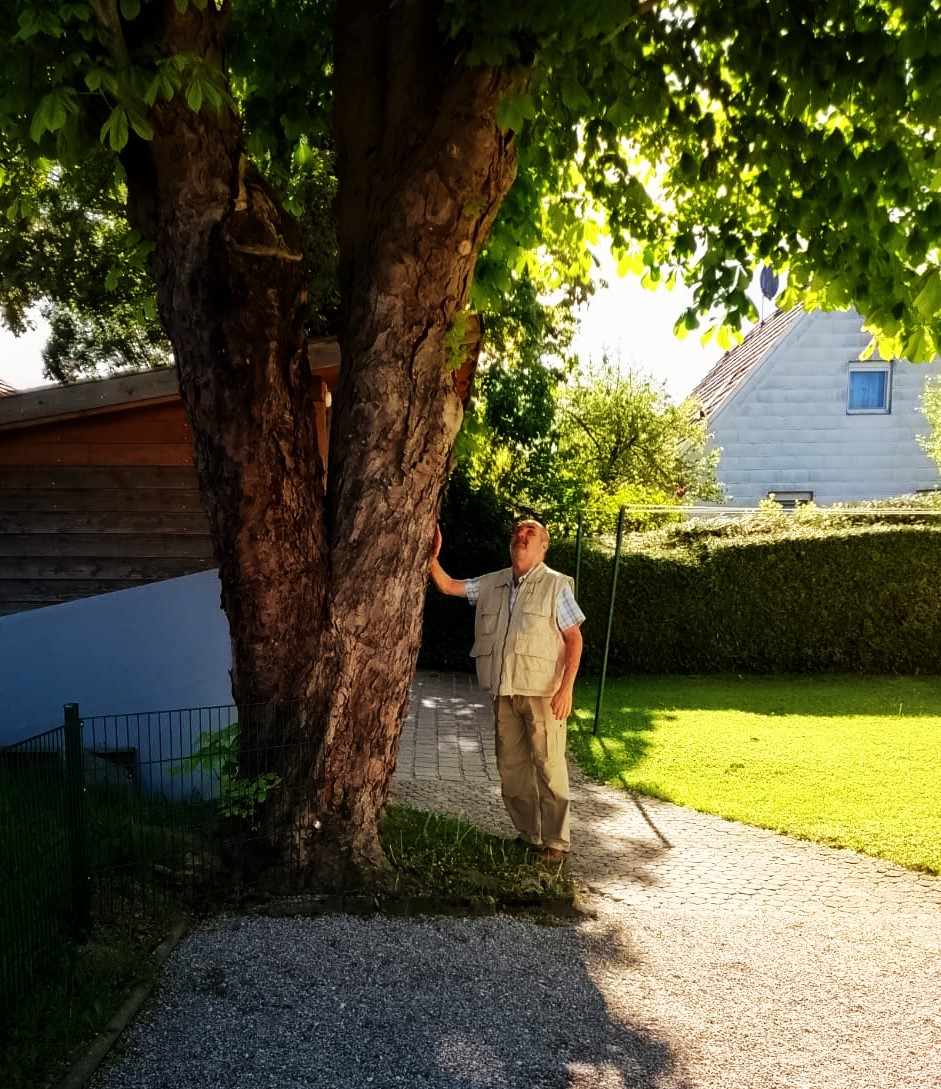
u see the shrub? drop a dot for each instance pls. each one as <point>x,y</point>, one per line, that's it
<point>818,591</point>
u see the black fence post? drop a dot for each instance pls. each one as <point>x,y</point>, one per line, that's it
<point>607,638</point>
<point>78,853</point>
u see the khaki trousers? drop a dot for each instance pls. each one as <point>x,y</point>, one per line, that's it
<point>534,776</point>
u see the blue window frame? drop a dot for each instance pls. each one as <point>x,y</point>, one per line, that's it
<point>869,389</point>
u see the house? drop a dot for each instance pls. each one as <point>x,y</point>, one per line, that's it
<point>798,415</point>
<point>109,596</point>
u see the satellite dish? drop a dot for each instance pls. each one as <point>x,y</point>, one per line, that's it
<point>768,282</point>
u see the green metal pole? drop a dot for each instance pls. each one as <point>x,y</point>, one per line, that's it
<point>75,787</point>
<point>578,554</point>
<point>607,638</point>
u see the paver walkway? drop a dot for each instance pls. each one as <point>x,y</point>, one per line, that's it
<point>644,851</point>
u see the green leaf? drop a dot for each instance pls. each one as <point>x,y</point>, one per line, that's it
<point>919,347</point>
<point>140,125</point>
<point>514,111</point>
<point>130,9</point>
<point>928,300</point>
<point>163,84</point>
<point>52,112</point>
<point>194,95</point>
<point>97,79</point>
<point>632,262</point>
<point>114,131</point>
<point>574,96</point>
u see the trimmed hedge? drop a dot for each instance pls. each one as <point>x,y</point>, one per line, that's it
<point>772,596</point>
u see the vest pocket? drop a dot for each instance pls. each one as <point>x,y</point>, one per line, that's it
<point>482,653</point>
<point>536,666</point>
<point>486,624</point>
<point>535,615</point>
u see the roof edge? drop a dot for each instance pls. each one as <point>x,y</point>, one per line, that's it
<point>99,394</point>
<point>735,369</point>
<point>23,407</point>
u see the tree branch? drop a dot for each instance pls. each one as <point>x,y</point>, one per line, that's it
<point>106,12</point>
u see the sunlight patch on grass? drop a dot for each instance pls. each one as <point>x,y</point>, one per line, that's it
<point>848,762</point>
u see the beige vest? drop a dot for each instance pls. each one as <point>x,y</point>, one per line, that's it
<point>519,653</point>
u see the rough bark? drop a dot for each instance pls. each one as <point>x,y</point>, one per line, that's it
<point>423,168</point>
<point>324,593</point>
<point>231,296</point>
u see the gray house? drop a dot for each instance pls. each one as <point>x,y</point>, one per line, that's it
<point>797,414</point>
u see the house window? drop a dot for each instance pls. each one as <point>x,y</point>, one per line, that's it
<point>869,388</point>
<point>790,500</point>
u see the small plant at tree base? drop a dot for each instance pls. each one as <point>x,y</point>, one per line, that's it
<point>217,752</point>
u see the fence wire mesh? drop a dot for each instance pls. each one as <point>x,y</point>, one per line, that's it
<point>174,808</point>
<point>36,909</point>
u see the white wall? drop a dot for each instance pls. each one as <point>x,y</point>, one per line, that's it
<point>155,647</point>
<point>787,428</point>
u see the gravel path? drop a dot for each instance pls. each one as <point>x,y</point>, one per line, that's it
<point>667,1000</point>
<point>720,957</point>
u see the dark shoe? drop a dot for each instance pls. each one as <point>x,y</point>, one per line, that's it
<point>525,844</point>
<point>553,855</point>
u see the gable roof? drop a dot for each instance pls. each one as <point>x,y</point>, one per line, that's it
<point>5,388</point>
<point>736,365</point>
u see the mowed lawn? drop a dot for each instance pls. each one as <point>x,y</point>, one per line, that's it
<point>845,761</point>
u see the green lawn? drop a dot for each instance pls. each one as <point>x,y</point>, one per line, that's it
<point>846,761</point>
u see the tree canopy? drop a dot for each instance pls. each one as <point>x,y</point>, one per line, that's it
<point>931,406</point>
<point>705,138</point>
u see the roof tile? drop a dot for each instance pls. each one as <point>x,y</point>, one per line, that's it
<point>736,365</point>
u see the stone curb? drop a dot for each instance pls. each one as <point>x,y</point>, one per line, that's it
<point>81,1071</point>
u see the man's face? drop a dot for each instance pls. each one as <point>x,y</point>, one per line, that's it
<point>528,546</point>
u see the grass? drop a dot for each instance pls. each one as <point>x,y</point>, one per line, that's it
<point>54,1021</point>
<point>451,865</point>
<point>844,761</point>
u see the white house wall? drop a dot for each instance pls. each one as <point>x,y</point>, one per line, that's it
<point>787,429</point>
<point>155,647</point>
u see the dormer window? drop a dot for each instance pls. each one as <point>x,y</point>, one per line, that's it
<point>869,388</point>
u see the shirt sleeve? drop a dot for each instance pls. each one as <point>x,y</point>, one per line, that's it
<point>567,612</point>
<point>472,590</point>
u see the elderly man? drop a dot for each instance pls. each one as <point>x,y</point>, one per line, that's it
<point>527,646</point>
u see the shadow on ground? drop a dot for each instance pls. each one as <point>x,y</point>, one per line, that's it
<point>345,1003</point>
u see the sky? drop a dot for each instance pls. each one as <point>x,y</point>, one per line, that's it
<point>632,325</point>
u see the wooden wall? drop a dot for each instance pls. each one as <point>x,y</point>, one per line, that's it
<point>97,486</point>
<point>98,502</point>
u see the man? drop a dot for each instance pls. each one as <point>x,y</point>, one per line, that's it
<point>527,646</point>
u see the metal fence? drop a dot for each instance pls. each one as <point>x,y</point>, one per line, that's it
<point>37,857</point>
<point>115,818</point>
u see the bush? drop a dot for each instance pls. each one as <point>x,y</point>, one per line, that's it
<point>819,591</point>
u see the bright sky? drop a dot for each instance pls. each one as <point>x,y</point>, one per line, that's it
<point>633,325</point>
<point>20,362</point>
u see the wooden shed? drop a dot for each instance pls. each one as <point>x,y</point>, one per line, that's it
<point>97,486</point>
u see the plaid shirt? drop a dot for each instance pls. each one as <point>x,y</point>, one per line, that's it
<point>567,612</point>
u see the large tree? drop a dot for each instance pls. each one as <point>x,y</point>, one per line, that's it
<point>703,136</point>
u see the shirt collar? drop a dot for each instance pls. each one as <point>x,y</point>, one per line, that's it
<point>523,578</point>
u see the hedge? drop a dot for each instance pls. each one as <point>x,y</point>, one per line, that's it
<point>773,596</point>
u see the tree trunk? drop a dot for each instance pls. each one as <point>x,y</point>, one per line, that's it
<point>324,592</point>
<point>423,169</point>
